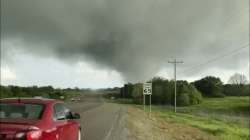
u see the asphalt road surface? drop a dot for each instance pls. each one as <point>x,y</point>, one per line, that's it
<point>100,120</point>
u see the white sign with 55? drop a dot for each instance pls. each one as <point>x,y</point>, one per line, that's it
<point>147,88</point>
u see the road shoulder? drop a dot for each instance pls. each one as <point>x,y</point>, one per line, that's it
<point>143,127</point>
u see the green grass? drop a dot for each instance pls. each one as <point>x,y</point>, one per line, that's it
<point>227,118</point>
<point>228,109</point>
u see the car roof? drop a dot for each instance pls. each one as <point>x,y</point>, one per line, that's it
<point>29,100</point>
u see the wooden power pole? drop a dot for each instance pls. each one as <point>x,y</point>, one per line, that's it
<point>175,62</point>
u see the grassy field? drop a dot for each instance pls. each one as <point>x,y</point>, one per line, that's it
<point>226,118</point>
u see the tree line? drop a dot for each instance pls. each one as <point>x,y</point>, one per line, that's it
<point>187,93</point>
<point>44,91</point>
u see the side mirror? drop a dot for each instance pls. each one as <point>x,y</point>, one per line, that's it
<point>61,117</point>
<point>76,116</point>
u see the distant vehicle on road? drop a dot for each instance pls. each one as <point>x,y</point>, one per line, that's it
<point>75,99</point>
<point>37,119</point>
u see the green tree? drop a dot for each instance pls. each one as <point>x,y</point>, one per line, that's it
<point>187,94</point>
<point>158,90</point>
<point>16,91</point>
<point>210,86</point>
<point>137,94</point>
<point>183,99</point>
<point>195,96</point>
<point>236,90</point>
<point>5,92</point>
<point>128,89</point>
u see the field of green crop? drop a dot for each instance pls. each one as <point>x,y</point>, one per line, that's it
<point>227,118</point>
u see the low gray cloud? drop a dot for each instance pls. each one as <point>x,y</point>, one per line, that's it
<point>133,37</point>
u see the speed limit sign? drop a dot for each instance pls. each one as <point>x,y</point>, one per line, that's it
<point>147,88</point>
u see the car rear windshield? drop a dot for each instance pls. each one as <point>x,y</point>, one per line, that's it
<point>20,111</point>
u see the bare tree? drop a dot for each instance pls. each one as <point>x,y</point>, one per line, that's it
<point>238,79</point>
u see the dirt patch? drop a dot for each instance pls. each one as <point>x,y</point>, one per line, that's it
<point>144,127</point>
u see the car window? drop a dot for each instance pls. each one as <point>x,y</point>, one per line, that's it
<point>23,111</point>
<point>60,112</point>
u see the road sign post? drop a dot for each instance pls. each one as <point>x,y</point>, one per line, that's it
<point>150,106</point>
<point>144,102</point>
<point>147,90</point>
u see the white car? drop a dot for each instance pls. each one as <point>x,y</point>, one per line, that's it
<point>75,99</point>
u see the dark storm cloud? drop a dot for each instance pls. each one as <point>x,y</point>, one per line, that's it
<point>134,37</point>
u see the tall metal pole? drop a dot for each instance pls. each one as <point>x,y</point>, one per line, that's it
<point>144,102</point>
<point>175,85</point>
<point>175,88</point>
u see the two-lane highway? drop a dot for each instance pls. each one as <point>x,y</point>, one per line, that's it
<point>100,120</point>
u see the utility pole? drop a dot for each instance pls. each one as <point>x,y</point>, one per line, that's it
<point>175,62</point>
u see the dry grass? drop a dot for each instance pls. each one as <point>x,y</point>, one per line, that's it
<point>143,127</point>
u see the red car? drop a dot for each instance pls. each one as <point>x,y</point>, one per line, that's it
<point>37,119</point>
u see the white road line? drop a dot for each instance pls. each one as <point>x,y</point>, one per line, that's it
<point>112,127</point>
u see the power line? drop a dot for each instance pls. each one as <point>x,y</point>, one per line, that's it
<point>235,51</point>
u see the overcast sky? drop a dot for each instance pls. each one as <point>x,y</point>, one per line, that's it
<point>106,43</point>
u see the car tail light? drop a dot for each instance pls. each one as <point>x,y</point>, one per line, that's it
<point>30,135</point>
<point>34,135</point>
